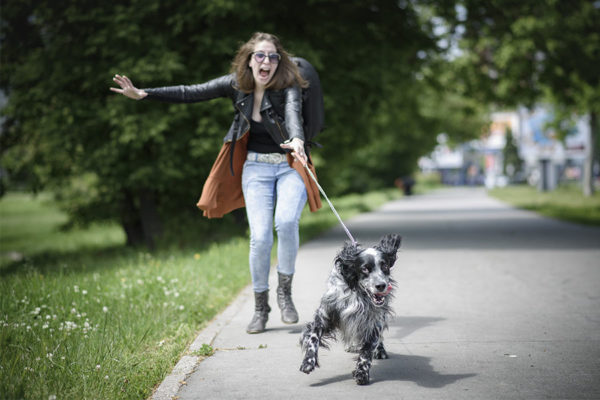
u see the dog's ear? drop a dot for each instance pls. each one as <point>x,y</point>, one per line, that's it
<point>347,263</point>
<point>389,245</point>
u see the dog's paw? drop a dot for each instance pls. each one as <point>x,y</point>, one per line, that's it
<point>361,377</point>
<point>380,354</point>
<point>308,365</point>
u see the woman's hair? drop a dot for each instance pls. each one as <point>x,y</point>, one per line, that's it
<point>286,75</point>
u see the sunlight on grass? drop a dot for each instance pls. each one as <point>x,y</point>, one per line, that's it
<point>565,203</point>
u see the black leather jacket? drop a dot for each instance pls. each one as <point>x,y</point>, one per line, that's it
<point>281,110</point>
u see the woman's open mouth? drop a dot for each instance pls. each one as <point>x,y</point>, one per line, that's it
<point>264,73</point>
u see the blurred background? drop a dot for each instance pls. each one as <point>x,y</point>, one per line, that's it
<point>469,92</point>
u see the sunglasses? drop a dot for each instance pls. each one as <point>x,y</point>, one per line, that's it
<point>260,56</point>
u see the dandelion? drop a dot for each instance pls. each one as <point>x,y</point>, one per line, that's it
<point>105,309</point>
<point>98,367</point>
<point>106,377</point>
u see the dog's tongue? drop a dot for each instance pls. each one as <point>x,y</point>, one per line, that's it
<point>388,290</point>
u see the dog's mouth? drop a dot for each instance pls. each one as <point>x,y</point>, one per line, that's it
<point>379,298</point>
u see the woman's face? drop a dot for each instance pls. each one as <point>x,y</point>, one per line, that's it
<point>264,61</point>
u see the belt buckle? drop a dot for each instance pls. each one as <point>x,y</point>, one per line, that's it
<point>274,158</point>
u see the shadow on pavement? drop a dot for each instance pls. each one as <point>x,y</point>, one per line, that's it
<point>398,367</point>
<point>404,326</point>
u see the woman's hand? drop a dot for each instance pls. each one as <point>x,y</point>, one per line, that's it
<point>297,147</point>
<point>127,88</point>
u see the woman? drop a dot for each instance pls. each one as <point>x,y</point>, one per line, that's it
<point>253,168</point>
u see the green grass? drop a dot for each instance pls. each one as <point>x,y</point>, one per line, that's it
<point>565,203</point>
<point>82,316</point>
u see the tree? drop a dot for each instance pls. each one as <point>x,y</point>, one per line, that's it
<point>517,52</point>
<point>512,163</point>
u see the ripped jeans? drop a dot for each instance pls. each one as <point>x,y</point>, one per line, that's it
<point>272,192</point>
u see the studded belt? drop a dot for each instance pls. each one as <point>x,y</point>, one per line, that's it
<point>270,158</point>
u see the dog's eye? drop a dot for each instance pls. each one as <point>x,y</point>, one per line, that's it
<point>365,269</point>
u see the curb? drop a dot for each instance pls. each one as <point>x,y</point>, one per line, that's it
<point>170,386</point>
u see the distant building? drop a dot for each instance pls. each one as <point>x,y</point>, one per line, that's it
<point>546,159</point>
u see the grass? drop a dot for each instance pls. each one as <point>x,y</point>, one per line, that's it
<point>82,316</point>
<point>565,203</point>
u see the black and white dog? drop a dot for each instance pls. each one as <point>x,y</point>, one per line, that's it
<point>356,305</point>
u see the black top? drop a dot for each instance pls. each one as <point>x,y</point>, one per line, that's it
<point>260,141</point>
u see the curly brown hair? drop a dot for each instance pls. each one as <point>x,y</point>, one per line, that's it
<point>287,73</point>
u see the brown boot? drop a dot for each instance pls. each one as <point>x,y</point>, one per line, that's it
<point>289,315</point>
<point>261,313</point>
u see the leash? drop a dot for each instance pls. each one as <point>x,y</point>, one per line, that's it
<point>330,204</point>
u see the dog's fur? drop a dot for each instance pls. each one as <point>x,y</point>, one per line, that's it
<point>356,305</point>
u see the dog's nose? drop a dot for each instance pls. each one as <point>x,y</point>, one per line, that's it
<point>381,287</point>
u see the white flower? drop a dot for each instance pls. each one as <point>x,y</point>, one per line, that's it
<point>84,292</point>
<point>105,309</point>
<point>160,344</point>
<point>45,326</point>
<point>73,310</point>
<point>36,311</point>
<point>98,367</point>
<point>106,377</point>
<point>76,289</point>
<point>181,307</point>
<point>52,397</point>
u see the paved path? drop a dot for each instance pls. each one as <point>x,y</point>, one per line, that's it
<point>492,303</point>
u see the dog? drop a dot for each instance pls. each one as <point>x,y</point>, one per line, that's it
<point>356,305</point>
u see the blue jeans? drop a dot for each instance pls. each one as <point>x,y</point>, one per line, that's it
<point>272,190</point>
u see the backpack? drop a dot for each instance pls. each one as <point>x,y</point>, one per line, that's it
<point>313,111</point>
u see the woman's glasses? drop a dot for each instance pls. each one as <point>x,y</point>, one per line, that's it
<point>260,56</point>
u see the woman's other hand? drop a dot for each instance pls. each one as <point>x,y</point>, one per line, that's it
<point>297,147</point>
<point>127,88</point>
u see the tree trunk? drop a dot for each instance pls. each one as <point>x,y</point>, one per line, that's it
<point>590,151</point>
<point>140,219</point>
<point>130,221</point>
<point>151,224</point>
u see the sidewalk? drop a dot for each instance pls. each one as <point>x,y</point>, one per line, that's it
<point>492,303</point>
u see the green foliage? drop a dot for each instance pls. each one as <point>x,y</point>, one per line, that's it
<point>205,350</point>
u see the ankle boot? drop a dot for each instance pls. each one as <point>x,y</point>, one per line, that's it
<point>289,315</point>
<point>261,313</point>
